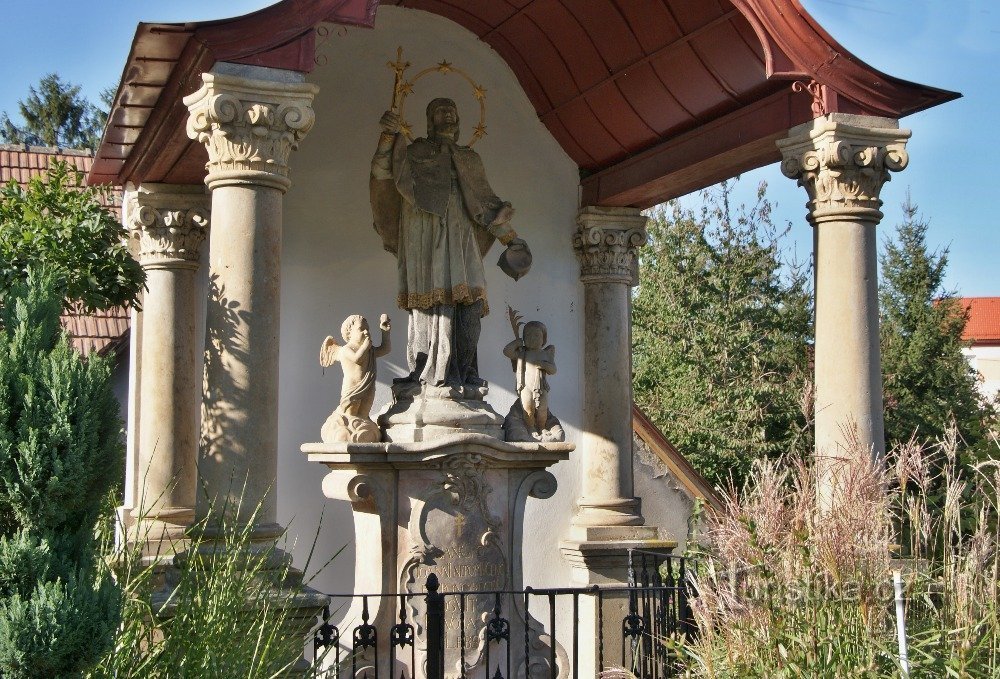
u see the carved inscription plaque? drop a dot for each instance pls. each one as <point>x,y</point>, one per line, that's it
<point>459,540</point>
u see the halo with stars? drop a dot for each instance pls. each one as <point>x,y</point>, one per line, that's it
<point>404,88</point>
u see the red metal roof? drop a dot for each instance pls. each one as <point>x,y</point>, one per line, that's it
<point>651,98</point>
<point>983,326</point>
<point>101,332</point>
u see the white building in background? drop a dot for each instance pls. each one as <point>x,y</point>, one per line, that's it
<point>983,332</point>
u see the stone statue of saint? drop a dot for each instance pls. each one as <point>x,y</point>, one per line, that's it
<point>351,421</point>
<point>435,211</point>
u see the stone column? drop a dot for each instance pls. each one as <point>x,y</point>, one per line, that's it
<point>606,242</point>
<point>249,126</point>
<point>170,222</point>
<point>842,161</point>
<point>608,522</point>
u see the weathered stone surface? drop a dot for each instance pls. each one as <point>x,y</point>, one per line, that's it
<point>606,243</point>
<point>843,161</point>
<point>170,223</point>
<point>453,506</point>
<point>426,418</point>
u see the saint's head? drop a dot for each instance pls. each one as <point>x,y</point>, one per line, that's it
<point>442,119</point>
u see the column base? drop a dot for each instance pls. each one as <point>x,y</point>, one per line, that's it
<point>607,512</point>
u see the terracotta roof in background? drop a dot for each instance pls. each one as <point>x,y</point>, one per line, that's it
<point>984,319</point>
<point>102,332</point>
<point>21,162</point>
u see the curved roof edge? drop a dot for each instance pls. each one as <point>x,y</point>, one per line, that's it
<point>797,47</point>
<point>144,137</point>
<point>167,57</point>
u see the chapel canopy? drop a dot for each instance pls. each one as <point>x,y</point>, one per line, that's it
<point>652,99</point>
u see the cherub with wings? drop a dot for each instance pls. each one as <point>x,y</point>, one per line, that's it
<point>351,421</point>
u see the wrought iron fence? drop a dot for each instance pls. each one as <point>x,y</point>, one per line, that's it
<point>493,634</point>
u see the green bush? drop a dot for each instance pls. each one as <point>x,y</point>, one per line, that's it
<point>58,223</point>
<point>60,453</point>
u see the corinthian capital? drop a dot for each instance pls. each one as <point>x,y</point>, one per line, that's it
<point>170,223</point>
<point>605,243</point>
<point>249,127</point>
<point>842,161</point>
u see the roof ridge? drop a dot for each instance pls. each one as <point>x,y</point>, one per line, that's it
<point>51,150</point>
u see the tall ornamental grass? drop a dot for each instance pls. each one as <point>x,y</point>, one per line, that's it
<point>219,612</point>
<point>788,587</point>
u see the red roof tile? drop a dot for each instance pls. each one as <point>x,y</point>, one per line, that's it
<point>101,333</point>
<point>984,319</point>
<point>21,162</point>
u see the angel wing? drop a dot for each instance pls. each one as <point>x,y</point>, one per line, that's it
<point>328,352</point>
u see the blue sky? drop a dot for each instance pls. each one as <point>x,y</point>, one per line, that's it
<point>952,44</point>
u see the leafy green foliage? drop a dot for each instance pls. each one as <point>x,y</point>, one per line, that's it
<point>55,114</point>
<point>928,382</point>
<point>720,336</point>
<point>226,614</point>
<point>58,223</point>
<point>60,452</point>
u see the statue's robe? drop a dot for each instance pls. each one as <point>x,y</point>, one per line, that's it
<point>434,209</point>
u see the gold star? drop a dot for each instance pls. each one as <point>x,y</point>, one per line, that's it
<point>444,67</point>
<point>406,88</point>
<point>479,131</point>
<point>479,92</point>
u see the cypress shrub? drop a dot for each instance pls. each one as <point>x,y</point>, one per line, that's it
<point>60,453</point>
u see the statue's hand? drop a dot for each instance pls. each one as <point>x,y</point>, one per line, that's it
<point>390,122</point>
<point>384,323</point>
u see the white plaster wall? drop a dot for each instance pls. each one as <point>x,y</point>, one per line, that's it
<point>986,361</point>
<point>333,264</point>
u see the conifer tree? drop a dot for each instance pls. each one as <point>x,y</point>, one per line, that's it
<point>55,114</point>
<point>720,336</point>
<point>60,452</point>
<point>927,380</point>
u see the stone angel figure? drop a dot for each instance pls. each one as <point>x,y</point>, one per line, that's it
<point>529,418</point>
<point>351,421</point>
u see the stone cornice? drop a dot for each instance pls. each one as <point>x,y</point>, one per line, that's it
<point>249,127</point>
<point>170,222</point>
<point>842,161</point>
<point>605,242</point>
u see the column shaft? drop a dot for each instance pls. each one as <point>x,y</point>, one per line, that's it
<point>170,222</point>
<point>249,127</point>
<point>842,161</point>
<point>240,417</point>
<point>605,243</point>
<point>848,376</point>
<point>608,495</point>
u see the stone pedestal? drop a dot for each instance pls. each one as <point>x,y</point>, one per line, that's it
<point>604,562</point>
<point>842,161</point>
<point>426,416</point>
<point>453,506</point>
